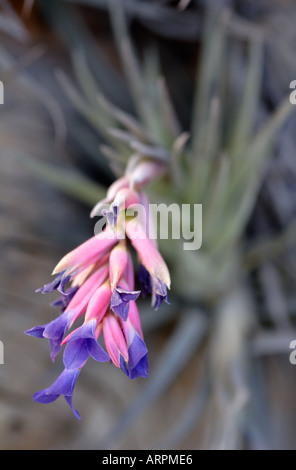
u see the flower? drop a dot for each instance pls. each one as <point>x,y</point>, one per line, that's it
<point>96,281</point>
<point>82,344</point>
<point>57,284</point>
<point>137,350</point>
<point>115,342</point>
<point>64,300</point>
<point>53,331</point>
<point>154,274</point>
<point>64,385</point>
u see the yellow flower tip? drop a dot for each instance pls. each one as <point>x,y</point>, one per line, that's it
<point>62,265</point>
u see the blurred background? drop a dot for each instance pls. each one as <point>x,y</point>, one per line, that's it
<point>205,83</point>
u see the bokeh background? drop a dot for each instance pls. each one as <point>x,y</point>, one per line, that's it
<point>209,80</point>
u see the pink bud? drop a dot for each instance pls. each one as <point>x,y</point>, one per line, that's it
<point>125,198</point>
<point>133,323</point>
<point>129,274</point>
<point>80,300</point>
<point>111,194</point>
<point>148,253</point>
<point>87,253</point>
<point>98,331</point>
<point>145,172</point>
<point>118,263</point>
<point>80,276</point>
<point>114,339</point>
<point>99,303</point>
<point>150,225</point>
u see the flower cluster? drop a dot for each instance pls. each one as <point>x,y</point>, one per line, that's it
<point>97,284</point>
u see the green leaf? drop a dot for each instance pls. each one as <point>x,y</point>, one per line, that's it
<point>68,181</point>
<point>244,122</point>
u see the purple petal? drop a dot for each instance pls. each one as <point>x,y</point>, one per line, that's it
<point>56,329</point>
<point>36,331</point>
<point>43,397</point>
<point>145,281</point>
<point>97,352</point>
<point>153,286</point>
<point>82,344</point>
<point>69,400</point>
<point>141,369</point>
<point>57,284</point>
<point>137,351</point>
<point>160,292</point>
<point>111,216</point>
<point>65,299</point>
<point>120,301</point>
<point>53,331</point>
<point>76,354</point>
<point>138,358</point>
<point>123,365</point>
<point>55,347</point>
<point>87,330</point>
<point>64,385</point>
<point>63,283</point>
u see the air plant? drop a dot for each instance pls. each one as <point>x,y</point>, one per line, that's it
<point>102,290</point>
<point>219,162</point>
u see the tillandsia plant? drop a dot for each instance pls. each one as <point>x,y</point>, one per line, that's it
<point>102,282</point>
<point>218,160</point>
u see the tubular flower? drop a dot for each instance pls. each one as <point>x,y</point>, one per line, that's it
<point>96,282</point>
<point>64,385</point>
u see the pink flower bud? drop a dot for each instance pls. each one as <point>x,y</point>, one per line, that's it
<point>111,194</point>
<point>118,263</point>
<point>99,303</point>
<point>87,253</point>
<point>148,253</point>
<point>114,340</point>
<point>145,172</point>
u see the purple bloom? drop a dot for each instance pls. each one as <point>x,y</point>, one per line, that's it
<point>64,385</point>
<point>115,341</point>
<point>154,274</point>
<point>58,283</point>
<point>123,366</point>
<point>81,344</point>
<point>159,293</point>
<point>153,286</point>
<point>137,350</point>
<point>96,282</point>
<point>111,215</point>
<point>120,301</point>
<point>53,331</point>
<point>138,358</point>
<point>65,298</point>
<point>145,281</point>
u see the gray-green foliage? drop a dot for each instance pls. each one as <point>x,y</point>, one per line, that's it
<point>219,162</point>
